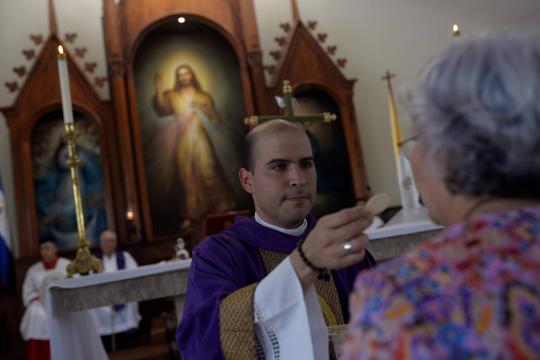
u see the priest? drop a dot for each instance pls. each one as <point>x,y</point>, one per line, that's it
<point>269,285</point>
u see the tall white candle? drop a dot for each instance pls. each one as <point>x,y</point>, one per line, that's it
<point>64,86</point>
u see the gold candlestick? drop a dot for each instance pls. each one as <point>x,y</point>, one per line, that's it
<point>84,261</point>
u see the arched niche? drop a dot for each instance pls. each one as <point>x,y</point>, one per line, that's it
<point>335,188</point>
<point>188,102</point>
<point>52,184</point>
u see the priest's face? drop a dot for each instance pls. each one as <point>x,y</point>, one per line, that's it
<point>283,180</point>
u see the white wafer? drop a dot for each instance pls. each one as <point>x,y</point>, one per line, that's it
<point>378,203</point>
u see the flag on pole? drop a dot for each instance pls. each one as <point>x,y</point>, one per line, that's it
<point>6,257</point>
<point>407,188</point>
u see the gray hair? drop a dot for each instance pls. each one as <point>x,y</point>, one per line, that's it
<point>477,113</point>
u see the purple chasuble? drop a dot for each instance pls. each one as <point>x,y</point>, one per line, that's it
<point>228,261</point>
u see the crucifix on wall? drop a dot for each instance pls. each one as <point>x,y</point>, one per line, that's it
<point>289,114</point>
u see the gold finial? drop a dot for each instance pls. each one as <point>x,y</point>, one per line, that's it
<point>287,88</point>
<point>251,121</point>
<point>329,117</point>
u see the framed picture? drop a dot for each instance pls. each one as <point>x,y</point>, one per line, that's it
<point>55,207</point>
<point>334,181</point>
<point>190,109</point>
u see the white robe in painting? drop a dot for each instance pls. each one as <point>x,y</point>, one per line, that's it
<point>125,319</point>
<point>34,324</point>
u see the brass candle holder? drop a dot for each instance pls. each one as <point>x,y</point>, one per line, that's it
<point>84,261</point>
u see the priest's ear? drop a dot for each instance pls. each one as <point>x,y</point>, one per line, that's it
<point>246,179</point>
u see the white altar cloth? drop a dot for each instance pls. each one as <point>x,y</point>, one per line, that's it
<point>72,329</point>
<point>404,222</point>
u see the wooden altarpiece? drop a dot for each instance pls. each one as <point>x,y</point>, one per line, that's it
<point>126,24</point>
<point>39,96</point>
<point>307,66</point>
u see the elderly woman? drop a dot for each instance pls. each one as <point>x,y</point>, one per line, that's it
<point>473,292</point>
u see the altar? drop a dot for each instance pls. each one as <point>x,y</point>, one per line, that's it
<point>402,233</point>
<point>74,335</point>
<point>72,330</point>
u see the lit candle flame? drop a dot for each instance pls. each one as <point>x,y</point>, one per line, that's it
<point>60,50</point>
<point>455,30</point>
<point>129,215</point>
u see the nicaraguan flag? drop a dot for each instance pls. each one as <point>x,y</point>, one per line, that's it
<point>6,257</point>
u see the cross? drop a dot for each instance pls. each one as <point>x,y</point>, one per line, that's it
<point>388,77</point>
<point>289,112</point>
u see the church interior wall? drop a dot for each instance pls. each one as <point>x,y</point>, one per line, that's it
<point>373,35</point>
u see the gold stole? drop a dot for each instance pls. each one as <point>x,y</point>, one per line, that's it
<point>237,335</point>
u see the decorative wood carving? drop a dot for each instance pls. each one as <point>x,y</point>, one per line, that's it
<point>312,24</point>
<point>281,40</point>
<point>341,62</point>
<point>37,39</point>
<point>20,70</point>
<point>29,54</point>
<point>70,37</point>
<point>100,81</point>
<point>286,27</point>
<point>30,105</point>
<point>90,67</point>
<point>12,86</point>
<point>80,52</point>
<point>331,49</point>
<point>276,54</point>
<point>303,48</point>
<point>322,37</point>
<point>126,24</point>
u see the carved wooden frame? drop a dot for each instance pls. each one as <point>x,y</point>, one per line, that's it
<point>126,25</point>
<point>39,95</point>
<point>303,49</point>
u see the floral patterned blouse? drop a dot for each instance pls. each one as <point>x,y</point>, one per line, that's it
<point>472,293</point>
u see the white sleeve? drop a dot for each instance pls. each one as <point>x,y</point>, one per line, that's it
<point>288,322</point>
<point>130,261</point>
<point>29,289</point>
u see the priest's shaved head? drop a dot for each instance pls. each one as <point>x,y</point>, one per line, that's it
<point>280,172</point>
<point>272,127</point>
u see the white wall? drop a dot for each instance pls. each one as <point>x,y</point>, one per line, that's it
<point>374,35</point>
<point>395,35</point>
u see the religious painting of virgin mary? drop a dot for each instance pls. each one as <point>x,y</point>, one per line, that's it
<point>53,191</point>
<point>190,105</point>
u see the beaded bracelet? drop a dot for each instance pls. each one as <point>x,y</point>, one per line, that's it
<point>322,273</point>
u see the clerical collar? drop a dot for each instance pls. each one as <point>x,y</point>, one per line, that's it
<point>293,232</point>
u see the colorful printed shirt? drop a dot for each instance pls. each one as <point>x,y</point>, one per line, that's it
<point>472,293</point>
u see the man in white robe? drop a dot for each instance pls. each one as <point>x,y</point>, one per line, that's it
<point>34,325</point>
<point>122,320</point>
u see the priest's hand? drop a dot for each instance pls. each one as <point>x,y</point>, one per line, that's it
<point>336,242</point>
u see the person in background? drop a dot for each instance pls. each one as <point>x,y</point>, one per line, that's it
<point>119,320</point>
<point>34,324</point>
<point>474,291</point>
